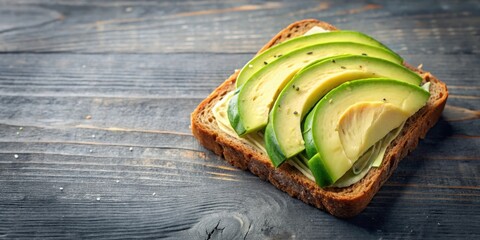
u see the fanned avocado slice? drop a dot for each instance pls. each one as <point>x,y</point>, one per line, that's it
<point>308,87</point>
<point>348,100</point>
<point>248,112</point>
<point>286,47</point>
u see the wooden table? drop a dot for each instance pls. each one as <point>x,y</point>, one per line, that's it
<point>95,100</point>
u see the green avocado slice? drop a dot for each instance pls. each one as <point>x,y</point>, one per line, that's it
<point>309,86</point>
<point>248,112</point>
<point>331,163</point>
<point>279,50</point>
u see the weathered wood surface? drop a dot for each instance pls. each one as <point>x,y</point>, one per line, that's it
<point>95,100</point>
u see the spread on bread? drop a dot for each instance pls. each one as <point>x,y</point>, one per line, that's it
<point>327,103</point>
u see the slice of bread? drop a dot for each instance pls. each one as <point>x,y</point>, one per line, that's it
<point>340,202</point>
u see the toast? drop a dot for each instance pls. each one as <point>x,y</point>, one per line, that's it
<point>340,202</point>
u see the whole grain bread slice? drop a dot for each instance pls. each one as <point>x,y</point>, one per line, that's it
<point>340,202</point>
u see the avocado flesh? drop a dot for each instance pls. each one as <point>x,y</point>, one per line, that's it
<point>286,47</point>
<point>331,163</point>
<point>365,123</point>
<point>249,111</point>
<point>313,82</point>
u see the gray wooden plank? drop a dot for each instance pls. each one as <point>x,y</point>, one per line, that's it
<point>116,76</point>
<point>174,75</point>
<point>72,152</point>
<point>228,26</point>
<point>176,214</point>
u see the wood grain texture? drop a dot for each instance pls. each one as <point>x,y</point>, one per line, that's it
<point>95,100</point>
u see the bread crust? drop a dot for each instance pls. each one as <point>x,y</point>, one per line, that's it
<point>340,202</point>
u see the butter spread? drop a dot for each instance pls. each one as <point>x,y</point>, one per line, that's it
<point>315,29</point>
<point>220,113</point>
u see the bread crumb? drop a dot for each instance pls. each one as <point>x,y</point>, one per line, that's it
<point>420,66</point>
<point>98,198</point>
<point>61,188</point>
<point>88,117</point>
<point>153,194</point>
<point>15,156</point>
<point>131,149</point>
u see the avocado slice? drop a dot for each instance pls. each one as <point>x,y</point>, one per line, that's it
<point>277,51</point>
<point>309,86</point>
<point>248,112</point>
<point>331,163</point>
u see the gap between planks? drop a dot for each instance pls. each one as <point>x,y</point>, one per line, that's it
<point>110,129</point>
<point>228,168</point>
<point>430,186</point>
